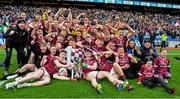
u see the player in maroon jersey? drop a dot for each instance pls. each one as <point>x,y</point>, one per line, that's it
<point>106,62</point>
<point>124,61</point>
<point>31,67</point>
<point>91,74</point>
<point>61,63</point>
<point>148,75</point>
<point>120,36</point>
<point>111,46</point>
<point>163,65</point>
<point>43,74</point>
<point>98,45</point>
<point>79,36</point>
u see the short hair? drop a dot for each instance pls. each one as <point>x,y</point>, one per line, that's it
<point>62,51</point>
<point>79,30</point>
<point>43,44</point>
<point>163,49</point>
<point>120,46</point>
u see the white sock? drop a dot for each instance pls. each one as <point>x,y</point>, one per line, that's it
<point>29,84</point>
<point>16,83</point>
<point>12,76</point>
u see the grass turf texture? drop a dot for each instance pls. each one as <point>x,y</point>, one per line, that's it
<point>83,89</point>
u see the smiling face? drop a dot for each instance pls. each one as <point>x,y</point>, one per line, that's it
<point>60,38</point>
<point>88,54</point>
<point>23,15</point>
<point>121,51</point>
<point>58,45</point>
<point>78,34</point>
<point>147,44</point>
<point>163,53</point>
<point>131,44</point>
<point>53,50</point>
<point>62,55</point>
<point>43,48</point>
<point>112,45</point>
<point>22,25</point>
<point>99,43</point>
<point>72,43</point>
<point>63,33</point>
<point>149,63</point>
<point>39,31</point>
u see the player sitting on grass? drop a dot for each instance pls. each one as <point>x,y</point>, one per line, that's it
<point>89,73</point>
<point>124,61</point>
<point>42,75</point>
<point>107,63</point>
<point>64,68</point>
<point>149,77</point>
<point>163,65</point>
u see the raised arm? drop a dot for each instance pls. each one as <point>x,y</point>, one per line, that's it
<point>132,32</point>
<point>43,61</point>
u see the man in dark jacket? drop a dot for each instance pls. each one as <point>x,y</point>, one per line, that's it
<point>16,38</point>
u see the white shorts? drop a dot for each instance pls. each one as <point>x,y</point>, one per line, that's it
<point>92,74</point>
<point>112,72</point>
<point>45,72</point>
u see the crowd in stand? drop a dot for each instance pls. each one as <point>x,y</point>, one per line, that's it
<point>91,44</point>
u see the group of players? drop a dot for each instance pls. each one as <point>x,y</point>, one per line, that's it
<point>74,47</point>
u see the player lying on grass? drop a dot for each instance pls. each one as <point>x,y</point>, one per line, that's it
<point>39,53</point>
<point>91,74</point>
<point>163,65</point>
<point>148,75</point>
<point>43,75</point>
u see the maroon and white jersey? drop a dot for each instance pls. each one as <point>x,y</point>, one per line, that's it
<point>124,60</point>
<point>162,64</point>
<point>50,66</point>
<point>105,65</point>
<point>121,41</point>
<point>97,49</point>
<point>74,53</point>
<point>78,39</point>
<point>89,63</point>
<point>146,72</point>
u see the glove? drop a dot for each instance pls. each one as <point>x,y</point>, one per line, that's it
<point>84,65</point>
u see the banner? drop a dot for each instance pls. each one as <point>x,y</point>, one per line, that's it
<point>138,3</point>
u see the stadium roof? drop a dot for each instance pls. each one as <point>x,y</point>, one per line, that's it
<point>50,1</point>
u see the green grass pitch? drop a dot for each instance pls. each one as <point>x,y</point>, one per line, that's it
<point>83,89</point>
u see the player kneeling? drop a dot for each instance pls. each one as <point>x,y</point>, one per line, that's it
<point>148,75</point>
<point>89,73</point>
